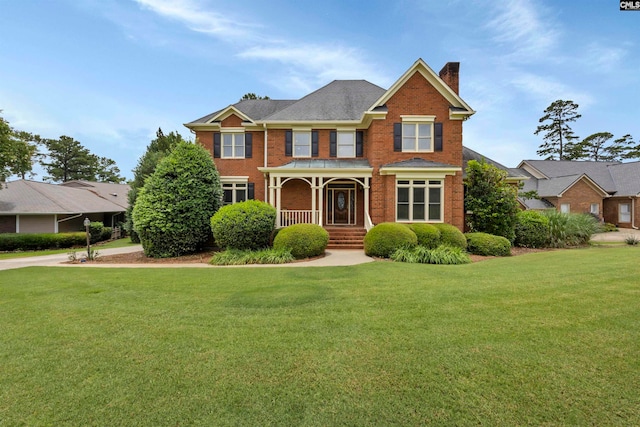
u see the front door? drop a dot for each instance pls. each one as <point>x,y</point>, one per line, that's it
<point>341,204</point>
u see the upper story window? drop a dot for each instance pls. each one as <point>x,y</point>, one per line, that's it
<point>232,145</point>
<point>301,144</point>
<point>346,142</point>
<point>417,134</point>
<point>417,137</point>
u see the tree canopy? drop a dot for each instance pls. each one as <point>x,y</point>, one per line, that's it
<point>18,150</point>
<point>558,136</point>
<point>252,95</point>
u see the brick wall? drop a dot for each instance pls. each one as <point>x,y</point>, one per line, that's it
<point>611,211</point>
<point>580,197</point>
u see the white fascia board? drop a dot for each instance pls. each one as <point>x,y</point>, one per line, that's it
<point>319,172</point>
<point>413,173</point>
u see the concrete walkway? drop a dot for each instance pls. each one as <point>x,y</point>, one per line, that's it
<point>616,236</point>
<point>332,257</point>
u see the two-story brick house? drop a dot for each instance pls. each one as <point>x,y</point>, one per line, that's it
<point>350,153</point>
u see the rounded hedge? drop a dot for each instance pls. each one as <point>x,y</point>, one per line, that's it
<point>383,239</point>
<point>450,235</point>
<point>303,240</point>
<point>428,235</point>
<point>532,229</point>
<point>172,213</point>
<point>488,244</point>
<point>244,225</point>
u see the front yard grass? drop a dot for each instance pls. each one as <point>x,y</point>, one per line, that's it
<point>550,338</point>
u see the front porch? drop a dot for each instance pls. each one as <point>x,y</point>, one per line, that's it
<point>332,193</point>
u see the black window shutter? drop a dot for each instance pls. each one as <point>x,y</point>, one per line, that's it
<point>437,132</point>
<point>359,143</point>
<point>314,143</point>
<point>288,143</point>
<point>397,137</point>
<point>216,145</point>
<point>250,191</point>
<point>333,145</point>
<point>248,145</point>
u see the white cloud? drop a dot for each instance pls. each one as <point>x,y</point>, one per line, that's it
<point>198,18</point>
<point>523,28</point>
<point>604,59</point>
<point>546,90</point>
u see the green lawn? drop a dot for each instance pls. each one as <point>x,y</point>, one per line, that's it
<point>99,246</point>
<point>550,338</point>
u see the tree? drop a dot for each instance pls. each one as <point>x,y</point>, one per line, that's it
<point>558,136</point>
<point>173,210</point>
<point>599,148</point>
<point>156,151</point>
<point>68,160</point>
<point>18,150</point>
<point>490,201</point>
<point>631,149</point>
<point>252,95</point>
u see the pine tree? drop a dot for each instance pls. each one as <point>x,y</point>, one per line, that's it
<point>558,136</point>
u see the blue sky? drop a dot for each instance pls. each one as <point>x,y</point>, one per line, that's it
<point>110,72</point>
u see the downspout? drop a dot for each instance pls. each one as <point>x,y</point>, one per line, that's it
<point>633,212</point>
<point>266,181</point>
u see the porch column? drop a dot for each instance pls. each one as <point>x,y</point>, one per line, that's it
<point>278,200</point>
<point>321,197</point>
<point>366,199</point>
<point>272,191</point>
<point>314,191</point>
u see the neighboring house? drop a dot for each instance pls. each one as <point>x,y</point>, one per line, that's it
<point>608,190</point>
<point>39,207</point>
<point>349,154</point>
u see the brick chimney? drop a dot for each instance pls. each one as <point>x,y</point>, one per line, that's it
<point>449,74</point>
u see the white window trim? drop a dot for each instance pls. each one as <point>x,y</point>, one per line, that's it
<point>236,183</point>
<point>293,142</point>
<point>595,211</point>
<point>233,132</point>
<point>419,120</point>
<point>426,186</point>
<point>353,145</point>
<point>628,213</point>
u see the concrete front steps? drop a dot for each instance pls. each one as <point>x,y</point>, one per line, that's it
<point>346,237</point>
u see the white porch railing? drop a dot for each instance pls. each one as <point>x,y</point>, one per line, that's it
<point>368,225</point>
<point>290,217</point>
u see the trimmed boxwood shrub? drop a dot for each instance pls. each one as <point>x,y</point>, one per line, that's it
<point>383,239</point>
<point>488,244</point>
<point>450,235</point>
<point>38,241</point>
<point>244,225</point>
<point>303,240</point>
<point>532,229</point>
<point>173,210</point>
<point>428,235</point>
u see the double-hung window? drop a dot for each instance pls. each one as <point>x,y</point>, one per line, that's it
<point>419,200</point>
<point>417,134</point>
<point>301,144</point>
<point>346,143</point>
<point>233,145</point>
<point>234,192</point>
<point>624,212</point>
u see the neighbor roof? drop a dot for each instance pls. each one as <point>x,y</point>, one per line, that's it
<point>116,193</point>
<point>626,177</point>
<point>469,154</point>
<point>597,171</point>
<point>32,197</point>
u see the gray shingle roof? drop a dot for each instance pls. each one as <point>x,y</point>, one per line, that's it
<point>256,109</point>
<point>32,197</point>
<point>597,171</point>
<point>339,100</point>
<point>469,154</point>
<point>116,193</point>
<point>626,177</point>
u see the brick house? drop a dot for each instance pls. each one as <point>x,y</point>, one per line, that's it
<point>608,190</point>
<point>349,154</point>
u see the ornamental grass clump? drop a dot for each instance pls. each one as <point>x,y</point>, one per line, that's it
<point>567,230</point>
<point>243,257</point>
<point>303,240</point>
<point>443,255</point>
<point>487,244</point>
<point>383,239</point>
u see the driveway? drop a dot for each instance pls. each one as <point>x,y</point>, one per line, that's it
<point>616,236</point>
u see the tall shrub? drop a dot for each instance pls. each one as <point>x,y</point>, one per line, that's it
<point>383,239</point>
<point>244,225</point>
<point>491,202</point>
<point>173,210</point>
<point>532,229</point>
<point>570,229</point>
